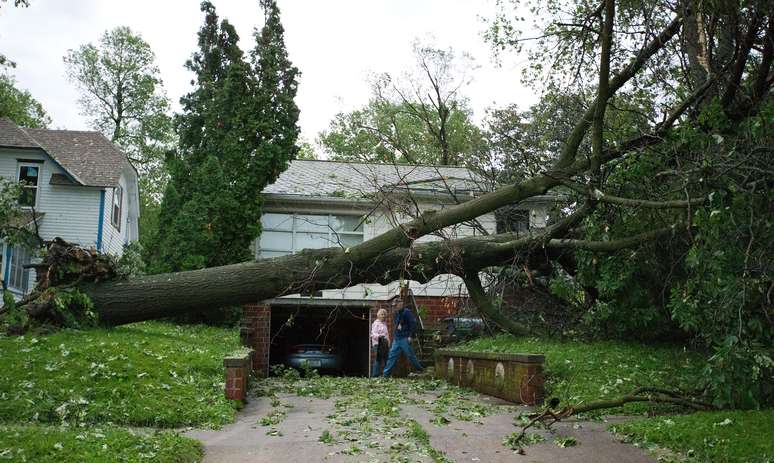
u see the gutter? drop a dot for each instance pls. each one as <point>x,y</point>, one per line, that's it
<point>7,261</point>
<point>101,219</point>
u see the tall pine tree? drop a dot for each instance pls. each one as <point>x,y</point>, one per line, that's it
<point>237,132</point>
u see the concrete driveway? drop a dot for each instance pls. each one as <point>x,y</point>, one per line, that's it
<point>357,420</point>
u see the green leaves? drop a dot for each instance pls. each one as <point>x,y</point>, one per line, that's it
<point>122,94</point>
<point>565,442</point>
<point>515,441</point>
<point>20,106</point>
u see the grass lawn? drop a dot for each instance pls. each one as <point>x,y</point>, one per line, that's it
<point>579,371</point>
<point>63,389</point>
<point>49,444</point>
<point>146,374</point>
<point>716,437</point>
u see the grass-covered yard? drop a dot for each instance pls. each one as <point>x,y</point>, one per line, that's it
<point>53,444</point>
<point>153,374</point>
<point>580,371</point>
<point>717,437</point>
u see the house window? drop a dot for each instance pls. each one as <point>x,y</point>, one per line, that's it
<point>512,220</point>
<point>115,216</point>
<point>288,233</point>
<point>28,176</point>
<point>18,276</point>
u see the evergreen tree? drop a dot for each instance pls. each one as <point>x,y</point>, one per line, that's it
<point>237,132</point>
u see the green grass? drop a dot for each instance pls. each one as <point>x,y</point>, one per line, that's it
<point>580,371</point>
<point>420,436</point>
<point>147,374</point>
<point>716,437</point>
<point>46,444</point>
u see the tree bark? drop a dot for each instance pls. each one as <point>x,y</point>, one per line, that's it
<point>157,296</point>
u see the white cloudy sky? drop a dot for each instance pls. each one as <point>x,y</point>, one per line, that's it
<point>335,44</point>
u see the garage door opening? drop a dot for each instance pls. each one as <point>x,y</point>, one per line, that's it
<point>344,328</point>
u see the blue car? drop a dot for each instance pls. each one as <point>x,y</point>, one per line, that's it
<point>319,357</point>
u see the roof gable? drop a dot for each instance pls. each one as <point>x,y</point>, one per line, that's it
<point>14,136</point>
<point>89,157</point>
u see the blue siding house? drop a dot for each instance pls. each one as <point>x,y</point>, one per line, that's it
<point>78,187</point>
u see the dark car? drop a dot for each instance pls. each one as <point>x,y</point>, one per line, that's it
<point>460,328</point>
<point>316,356</point>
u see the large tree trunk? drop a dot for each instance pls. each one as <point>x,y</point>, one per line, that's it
<point>156,296</point>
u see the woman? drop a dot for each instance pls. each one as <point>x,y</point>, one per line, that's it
<point>380,341</point>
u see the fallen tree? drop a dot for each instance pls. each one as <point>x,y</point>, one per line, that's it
<point>396,254</point>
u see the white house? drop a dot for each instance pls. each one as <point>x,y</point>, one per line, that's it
<point>319,204</point>
<point>78,186</point>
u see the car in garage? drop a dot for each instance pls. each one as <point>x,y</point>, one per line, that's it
<point>321,357</point>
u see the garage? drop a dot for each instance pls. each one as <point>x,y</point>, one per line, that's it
<point>344,325</point>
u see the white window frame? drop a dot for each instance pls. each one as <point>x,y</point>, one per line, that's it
<point>116,221</point>
<point>333,236</point>
<point>18,276</point>
<point>36,187</point>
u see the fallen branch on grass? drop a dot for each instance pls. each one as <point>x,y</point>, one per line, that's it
<point>548,416</point>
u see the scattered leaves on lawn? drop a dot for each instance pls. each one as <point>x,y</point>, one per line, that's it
<point>565,442</point>
<point>513,442</point>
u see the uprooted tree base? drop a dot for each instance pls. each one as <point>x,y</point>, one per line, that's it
<point>57,300</point>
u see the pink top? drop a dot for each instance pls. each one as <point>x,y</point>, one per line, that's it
<point>379,328</point>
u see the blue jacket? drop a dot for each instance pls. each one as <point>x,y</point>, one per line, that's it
<point>408,323</point>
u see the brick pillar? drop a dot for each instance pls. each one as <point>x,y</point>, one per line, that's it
<point>255,333</point>
<point>237,373</point>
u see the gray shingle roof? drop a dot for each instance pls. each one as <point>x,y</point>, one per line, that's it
<point>89,157</point>
<point>13,136</point>
<point>356,180</point>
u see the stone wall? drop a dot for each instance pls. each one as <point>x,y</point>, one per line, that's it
<point>514,377</point>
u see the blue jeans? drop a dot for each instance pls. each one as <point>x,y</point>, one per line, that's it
<point>398,345</point>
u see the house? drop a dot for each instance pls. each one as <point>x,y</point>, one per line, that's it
<point>77,186</point>
<point>319,204</point>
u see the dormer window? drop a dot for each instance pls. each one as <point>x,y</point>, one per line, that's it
<point>115,216</point>
<point>29,175</point>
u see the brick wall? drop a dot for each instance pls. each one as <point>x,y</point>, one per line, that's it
<point>256,334</point>
<point>515,377</point>
<point>436,308</point>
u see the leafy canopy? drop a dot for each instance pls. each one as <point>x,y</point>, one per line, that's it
<point>20,106</point>
<point>419,116</point>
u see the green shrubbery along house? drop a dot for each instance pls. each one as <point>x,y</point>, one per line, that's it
<point>77,186</point>
<point>319,204</point>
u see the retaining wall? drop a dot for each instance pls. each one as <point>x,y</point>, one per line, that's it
<point>513,377</point>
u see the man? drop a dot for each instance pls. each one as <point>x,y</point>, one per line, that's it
<point>405,325</point>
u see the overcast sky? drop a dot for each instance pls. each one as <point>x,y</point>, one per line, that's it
<point>334,43</point>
